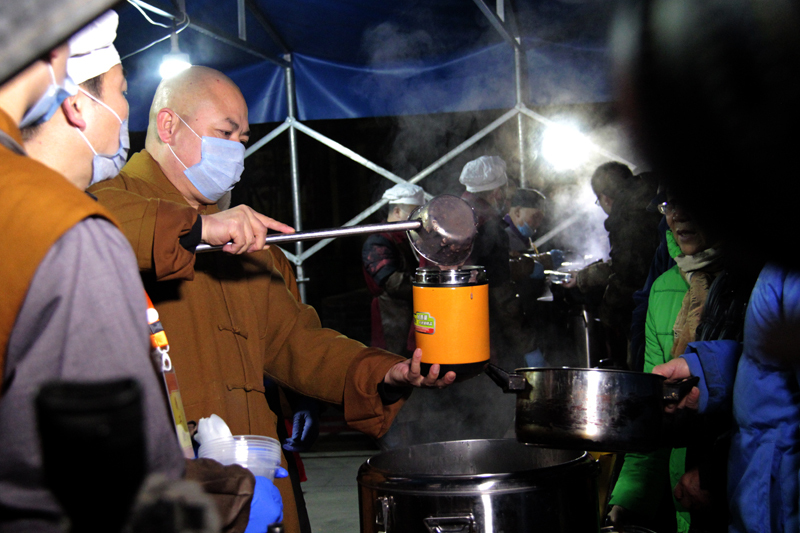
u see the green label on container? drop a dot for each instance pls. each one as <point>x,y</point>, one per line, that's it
<point>424,323</point>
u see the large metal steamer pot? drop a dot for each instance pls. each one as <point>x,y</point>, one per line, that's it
<point>478,486</point>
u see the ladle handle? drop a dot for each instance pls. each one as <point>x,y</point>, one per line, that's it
<point>327,233</point>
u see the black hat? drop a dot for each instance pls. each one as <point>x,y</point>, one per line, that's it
<point>528,198</point>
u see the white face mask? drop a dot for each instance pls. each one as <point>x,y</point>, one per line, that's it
<point>108,166</point>
<point>220,167</point>
<point>47,105</point>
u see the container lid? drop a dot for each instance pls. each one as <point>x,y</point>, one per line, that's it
<point>466,275</point>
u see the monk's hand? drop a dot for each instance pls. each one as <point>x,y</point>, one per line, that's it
<point>407,373</point>
<point>242,227</point>
<point>675,370</point>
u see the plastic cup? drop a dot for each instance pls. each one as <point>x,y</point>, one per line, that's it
<point>260,455</point>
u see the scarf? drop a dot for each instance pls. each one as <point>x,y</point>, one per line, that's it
<point>699,270</point>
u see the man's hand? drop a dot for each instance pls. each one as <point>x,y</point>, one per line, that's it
<point>573,280</point>
<point>677,369</point>
<point>243,227</point>
<point>689,493</point>
<point>408,373</point>
<point>618,516</point>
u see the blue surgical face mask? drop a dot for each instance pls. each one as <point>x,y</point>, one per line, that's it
<point>526,230</point>
<point>220,167</point>
<point>108,166</point>
<point>47,105</point>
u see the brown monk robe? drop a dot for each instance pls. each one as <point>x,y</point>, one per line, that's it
<point>231,320</point>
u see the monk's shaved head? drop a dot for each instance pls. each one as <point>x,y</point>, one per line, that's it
<point>197,104</point>
<point>188,91</point>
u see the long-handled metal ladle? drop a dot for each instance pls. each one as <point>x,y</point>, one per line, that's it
<point>442,231</point>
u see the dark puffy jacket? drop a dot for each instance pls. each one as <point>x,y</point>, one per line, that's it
<point>633,235</point>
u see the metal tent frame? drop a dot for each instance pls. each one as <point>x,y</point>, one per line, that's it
<point>68,16</point>
<point>520,111</point>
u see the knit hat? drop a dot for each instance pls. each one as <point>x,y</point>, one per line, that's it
<point>484,174</point>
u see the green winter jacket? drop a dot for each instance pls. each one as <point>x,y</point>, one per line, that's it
<point>643,474</point>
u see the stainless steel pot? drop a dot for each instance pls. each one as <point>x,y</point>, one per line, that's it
<point>589,408</point>
<point>478,486</point>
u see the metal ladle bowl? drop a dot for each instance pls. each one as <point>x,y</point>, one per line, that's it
<point>447,230</point>
<point>442,231</point>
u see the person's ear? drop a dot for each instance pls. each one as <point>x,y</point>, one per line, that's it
<point>73,107</point>
<point>166,122</point>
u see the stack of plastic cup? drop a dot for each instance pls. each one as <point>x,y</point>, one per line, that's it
<point>261,455</point>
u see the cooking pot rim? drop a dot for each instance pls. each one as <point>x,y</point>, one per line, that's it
<point>586,371</point>
<point>581,457</point>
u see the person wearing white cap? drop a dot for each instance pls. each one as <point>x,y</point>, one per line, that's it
<point>389,266</point>
<point>87,138</point>
<point>88,287</point>
<point>486,181</point>
<point>73,307</point>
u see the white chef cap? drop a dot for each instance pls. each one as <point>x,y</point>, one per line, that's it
<point>484,174</point>
<point>91,50</point>
<point>405,193</point>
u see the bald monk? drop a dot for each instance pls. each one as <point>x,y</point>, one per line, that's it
<point>230,317</point>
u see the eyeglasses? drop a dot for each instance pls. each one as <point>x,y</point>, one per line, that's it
<point>667,208</point>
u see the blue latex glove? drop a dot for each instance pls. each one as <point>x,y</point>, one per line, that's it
<point>538,271</point>
<point>266,506</point>
<point>558,257</point>
<point>305,424</point>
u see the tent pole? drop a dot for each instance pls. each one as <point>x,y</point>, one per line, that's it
<point>519,73</point>
<point>298,225</point>
<point>241,19</point>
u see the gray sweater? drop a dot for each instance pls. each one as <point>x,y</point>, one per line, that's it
<point>83,319</point>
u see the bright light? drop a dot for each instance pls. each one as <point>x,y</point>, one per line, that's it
<point>564,147</point>
<point>173,64</point>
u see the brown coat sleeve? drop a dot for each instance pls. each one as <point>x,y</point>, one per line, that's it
<point>360,369</point>
<point>283,266</point>
<point>153,226</point>
<point>231,487</point>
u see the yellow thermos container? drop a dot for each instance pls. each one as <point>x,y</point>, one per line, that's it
<point>451,319</point>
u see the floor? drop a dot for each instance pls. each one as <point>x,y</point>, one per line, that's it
<point>331,491</point>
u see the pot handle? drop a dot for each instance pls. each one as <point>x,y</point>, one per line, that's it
<point>674,391</point>
<point>450,524</point>
<point>507,382</point>
<point>386,503</point>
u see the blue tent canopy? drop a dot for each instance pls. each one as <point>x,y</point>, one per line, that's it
<point>361,58</point>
